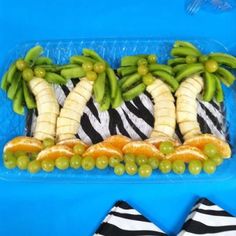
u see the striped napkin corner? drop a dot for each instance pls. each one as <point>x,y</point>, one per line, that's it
<point>208,219</point>
<point>123,220</point>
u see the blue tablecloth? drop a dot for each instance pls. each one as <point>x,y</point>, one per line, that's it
<point>77,209</point>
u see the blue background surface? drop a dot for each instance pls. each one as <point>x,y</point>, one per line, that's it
<point>77,209</point>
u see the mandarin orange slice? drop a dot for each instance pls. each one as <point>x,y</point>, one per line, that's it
<point>72,142</point>
<point>103,149</point>
<point>142,148</point>
<point>54,152</point>
<point>118,141</point>
<point>186,153</point>
<point>203,139</point>
<point>23,143</point>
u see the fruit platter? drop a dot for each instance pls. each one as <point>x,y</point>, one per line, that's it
<point>118,110</point>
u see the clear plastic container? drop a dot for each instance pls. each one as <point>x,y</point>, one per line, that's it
<point>112,50</point>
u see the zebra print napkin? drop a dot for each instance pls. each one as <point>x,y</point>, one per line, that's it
<point>133,119</point>
<point>123,220</point>
<point>208,219</point>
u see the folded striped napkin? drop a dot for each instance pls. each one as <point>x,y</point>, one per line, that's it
<point>208,219</point>
<point>123,220</point>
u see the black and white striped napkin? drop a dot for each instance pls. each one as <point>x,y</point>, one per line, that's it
<point>133,119</point>
<point>208,219</point>
<point>123,220</point>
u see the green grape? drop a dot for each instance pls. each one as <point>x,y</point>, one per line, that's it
<point>211,66</point>
<point>113,161</point>
<point>33,155</point>
<point>217,159</point>
<point>195,167</point>
<point>178,167</point>
<point>39,72</point>
<point>209,166</point>
<point>148,79</point>
<point>20,153</point>
<point>131,168</point>
<point>119,169</point>
<point>27,74</point>
<point>75,161</point>
<point>79,149</point>
<point>48,142</point>
<point>102,162</point>
<point>165,166</point>
<point>10,162</point>
<point>203,58</point>
<point>48,165</point>
<point>34,167</point>
<point>91,75</point>
<point>145,171</point>
<point>21,64</point>
<point>129,157</point>
<point>99,67</point>
<point>190,59</point>
<point>87,66</point>
<point>22,162</point>
<point>142,61</point>
<point>141,159</point>
<point>88,163</point>
<point>210,150</point>
<point>62,163</point>
<point>142,70</point>
<point>166,147</point>
<point>8,154</point>
<point>153,162</point>
<point>152,58</point>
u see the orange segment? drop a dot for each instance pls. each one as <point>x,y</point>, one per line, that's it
<point>159,139</point>
<point>201,140</point>
<point>186,153</point>
<point>72,142</point>
<point>23,143</point>
<point>102,149</point>
<point>118,141</point>
<point>54,152</point>
<point>142,148</point>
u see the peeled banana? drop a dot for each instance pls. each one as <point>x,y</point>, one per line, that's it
<point>47,106</point>
<point>68,121</point>
<point>164,109</point>
<point>186,106</point>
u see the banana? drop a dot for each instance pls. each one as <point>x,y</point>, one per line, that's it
<point>165,104</point>
<point>182,116</point>
<point>166,129</point>
<point>188,126</point>
<point>71,129</point>
<point>65,137</point>
<point>184,90</point>
<point>68,121</point>
<point>165,120</point>
<point>167,96</point>
<point>164,109</point>
<point>186,106</point>
<point>42,135</point>
<point>47,117</point>
<point>46,127</point>
<point>47,106</point>
<point>61,122</point>
<point>192,133</point>
<point>160,112</point>
<point>71,114</point>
